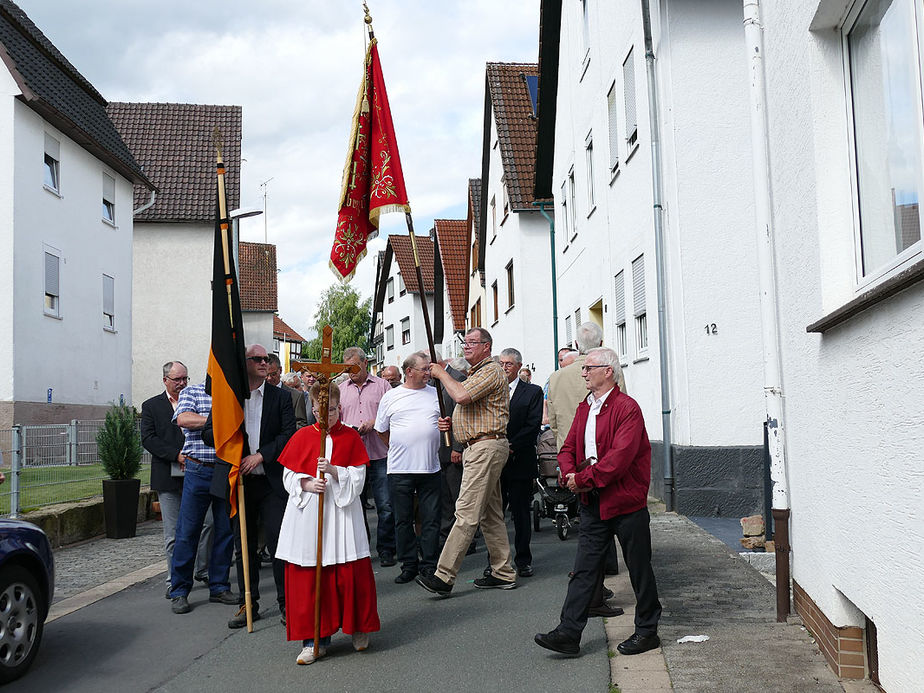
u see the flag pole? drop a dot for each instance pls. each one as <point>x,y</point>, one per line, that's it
<point>226,256</point>
<point>447,441</point>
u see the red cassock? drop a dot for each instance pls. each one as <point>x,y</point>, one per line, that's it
<point>348,596</point>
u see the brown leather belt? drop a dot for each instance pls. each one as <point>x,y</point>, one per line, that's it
<point>478,440</point>
<point>202,462</point>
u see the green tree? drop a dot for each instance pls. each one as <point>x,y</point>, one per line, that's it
<point>340,308</point>
<point>119,443</point>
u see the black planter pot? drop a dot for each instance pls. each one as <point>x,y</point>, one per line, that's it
<point>120,507</point>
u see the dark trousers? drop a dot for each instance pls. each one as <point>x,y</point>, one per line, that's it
<point>634,535</point>
<point>518,497</point>
<point>401,488</point>
<point>261,504</point>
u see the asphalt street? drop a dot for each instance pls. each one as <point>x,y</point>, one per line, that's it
<point>475,640</point>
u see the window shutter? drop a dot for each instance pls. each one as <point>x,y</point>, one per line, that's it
<point>577,318</point>
<point>568,330</point>
<point>612,108</point>
<point>52,147</point>
<point>108,188</point>
<point>638,285</point>
<point>108,295</point>
<point>620,282</point>
<point>628,81</point>
<point>51,274</point>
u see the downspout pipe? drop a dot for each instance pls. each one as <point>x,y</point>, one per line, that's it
<point>542,205</point>
<point>147,205</point>
<point>660,270</point>
<point>769,311</point>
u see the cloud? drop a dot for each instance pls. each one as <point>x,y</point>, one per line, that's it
<point>295,69</point>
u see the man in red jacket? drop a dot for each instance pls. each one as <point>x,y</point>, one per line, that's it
<point>606,458</point>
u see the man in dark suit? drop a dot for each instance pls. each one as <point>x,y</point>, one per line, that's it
<point>164,440</point>
<point>523,465</point>
<point>269,422</point>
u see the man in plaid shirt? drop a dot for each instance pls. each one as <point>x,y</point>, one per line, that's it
<point>191,414</point>
<point>479,422</point>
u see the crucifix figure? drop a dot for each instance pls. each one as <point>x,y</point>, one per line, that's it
<point>324,371</point>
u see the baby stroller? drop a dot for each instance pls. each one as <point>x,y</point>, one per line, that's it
<point>555,502</point>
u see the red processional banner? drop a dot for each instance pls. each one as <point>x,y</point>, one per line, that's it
<point>373,183</point>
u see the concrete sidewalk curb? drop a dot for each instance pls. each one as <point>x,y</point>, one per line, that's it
<point>107,589</point>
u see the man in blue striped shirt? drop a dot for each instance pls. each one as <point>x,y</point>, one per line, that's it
<point>191,414</point>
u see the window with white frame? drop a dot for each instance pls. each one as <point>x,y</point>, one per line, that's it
<point>612,111</point>
<point>619,314</point>
<point>493,218</point>
<point>882,46</point>
<point>52,163</point>
<point>402,289</point>
<point>494,292</point>
<point>390,337</point>
<point>52,285</point>
<point>109,303</point>
<point>379,353</point>
<point>577,318</point>
<point>506,192</point>
<point>390,289</point>
<point>510,293</point>
<point>638,303</point>
<point>565,217</point>
<point>589,162</point>
<point>628,86</point>
<point>406,330</point>
<point>572,203</point>
<point>568,332</point>
<point>108,199</point>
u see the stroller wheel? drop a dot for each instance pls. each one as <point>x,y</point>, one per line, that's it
<point>563,525</point>
<point>536,515</point>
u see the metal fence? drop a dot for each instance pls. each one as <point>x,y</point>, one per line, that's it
<point>54,463</point>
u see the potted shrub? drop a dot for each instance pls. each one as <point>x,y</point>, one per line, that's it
<point>119,446</point>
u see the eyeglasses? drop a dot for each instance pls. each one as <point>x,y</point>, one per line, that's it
<point>259,359</point>
<point>590,368</point>
<point>182,379</point>
<point>470,343</point>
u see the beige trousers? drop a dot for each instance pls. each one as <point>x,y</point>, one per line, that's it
<point>479,504</point>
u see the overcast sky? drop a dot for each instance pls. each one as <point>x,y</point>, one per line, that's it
<point>294,66</point>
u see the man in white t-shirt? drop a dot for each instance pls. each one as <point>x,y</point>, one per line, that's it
<point>407,423</point>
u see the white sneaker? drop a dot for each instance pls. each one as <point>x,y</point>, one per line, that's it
<point>360,641</point>
<point>307,655</point>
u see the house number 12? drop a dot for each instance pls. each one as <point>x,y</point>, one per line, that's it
<point>711,328</point>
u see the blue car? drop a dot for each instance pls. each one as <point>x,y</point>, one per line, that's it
<point>27,584</point>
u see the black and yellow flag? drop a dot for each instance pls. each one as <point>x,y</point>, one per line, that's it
<point>227,369</point>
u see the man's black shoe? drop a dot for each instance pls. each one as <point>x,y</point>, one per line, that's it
<point>604,610</point>
<point>525,571</point>
<point>487,572</point>
<point>225,597</point>
<point>433,584</point>
<point>405,576</point>
<point>387,560</point>
<point>204,579</point>
<point>180,605</point>
<point>607,593</point>
<point>637,643</point>
<point>239,620</point>
<point>490,582</point>
<point>557,642</point>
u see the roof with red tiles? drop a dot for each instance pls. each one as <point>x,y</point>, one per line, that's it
<point>258,277</point>
<point>282,331</point>
<point>452,238</point>
<point>173,144</point>
<point>401,246</point>
<point>516,128</point>
<point>474,204</point>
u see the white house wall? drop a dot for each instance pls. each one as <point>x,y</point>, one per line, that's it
<point>83,363</point>
<point>853,393</point>
<point>8,90</point>
<point>406,306</point>
<point>710,258</point>
<point>172,304</point>
<point>258,329</point>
